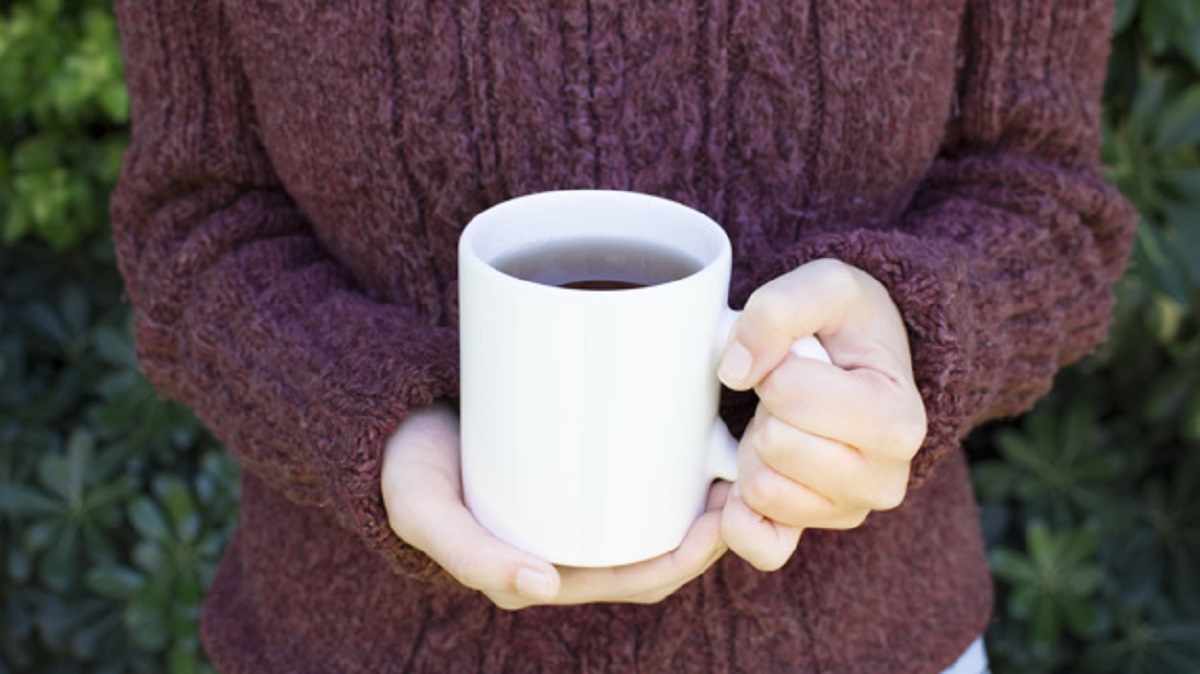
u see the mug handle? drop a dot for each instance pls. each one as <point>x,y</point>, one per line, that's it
<point>722,452</point>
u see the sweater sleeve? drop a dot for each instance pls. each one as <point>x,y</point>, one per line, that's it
<point>240,313</point>
<point>1002,265</point>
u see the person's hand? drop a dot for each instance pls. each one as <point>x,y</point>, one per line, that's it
<point>828,443</point>
<point>422,493</point>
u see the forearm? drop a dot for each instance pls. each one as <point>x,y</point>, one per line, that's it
<point>240,311</point>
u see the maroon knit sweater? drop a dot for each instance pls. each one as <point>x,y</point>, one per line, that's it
<point>287,223</point>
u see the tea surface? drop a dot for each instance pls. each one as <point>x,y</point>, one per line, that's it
<point>598,264</point>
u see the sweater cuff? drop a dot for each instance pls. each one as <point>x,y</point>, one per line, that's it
<point>925,280</point>
<point>358,431</point>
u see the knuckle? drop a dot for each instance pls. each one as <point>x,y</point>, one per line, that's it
<point>760,491</point>
<point>767,308</point>
<point>773,556</point>
<point>888,497</point>
<point>766,298</point>
<point>771,438</point>
<point>840,279</point>
<point>760,552</point>
<point>776,391</point>
<point>910,430</point>
<point>902,432</point>
<point>853,520</point>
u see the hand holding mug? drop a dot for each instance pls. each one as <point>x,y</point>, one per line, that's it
<point>828,443</point>
<point>424,500</point>
<point>583,468</point>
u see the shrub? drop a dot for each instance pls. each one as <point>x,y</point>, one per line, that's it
<point>114,506</point>
<point>1092,501</point>
<point>62,112</point>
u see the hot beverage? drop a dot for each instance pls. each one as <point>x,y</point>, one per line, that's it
<point>598,264</point>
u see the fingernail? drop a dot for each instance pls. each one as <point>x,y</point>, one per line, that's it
<point>735,366</point>
<point>534,584</point>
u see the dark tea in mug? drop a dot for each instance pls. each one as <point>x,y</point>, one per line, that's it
<point>598,264</point>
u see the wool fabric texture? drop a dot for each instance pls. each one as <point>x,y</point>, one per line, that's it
<point>287,219</point>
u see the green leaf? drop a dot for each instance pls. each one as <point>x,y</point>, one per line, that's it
<point>146,626</point>
<point>115,582</point>
<point>55,476</point>
<point>19,564</point>
<point>1126,11</point>
<point>994,480</point>
<point>181,509</point>
<point>20,500</point>
<point>47,323</point>
<point>59,565</point>
<point>108,495</point>
<point>150,556</point>
<point>148,520</point>
<point>1143,115</point>
<point>1184,220</point>
<point>75,306</point>
<point>114,347</point>
<point>38,535</point>
<point>87,641</point>
<point>1140,562</point>
<point>79,454</point>
<point>1157,23</point>
<point>184,661</point>
<point>1080,616</point>
<point>1086,580</point>
<point>188,594</point>
<point>1041,543</point>
<point>1156,262</point>
<point>1164,318</point>
<point>1180,122</point>
<point>1186,38</point>
<point>1017,449</point>
<point>1184,184</point>
<point>1078,546</point>
<point>1079,430</point>
<point>1166,397</point>
<point>1011,566</point>
<point>1044,627</point>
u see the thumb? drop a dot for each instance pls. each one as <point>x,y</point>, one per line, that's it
<point>453,538</point>
<point>422,495</point>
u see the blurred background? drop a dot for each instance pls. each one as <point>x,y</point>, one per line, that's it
<point>115,505</point>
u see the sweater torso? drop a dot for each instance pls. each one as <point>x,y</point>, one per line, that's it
<point>391,124</point>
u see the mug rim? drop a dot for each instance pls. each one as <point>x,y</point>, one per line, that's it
<point>714,248</point>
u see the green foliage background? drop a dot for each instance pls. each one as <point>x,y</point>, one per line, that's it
<point>115,505</point>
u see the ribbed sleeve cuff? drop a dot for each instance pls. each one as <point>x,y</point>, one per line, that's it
<point>353,432</point>
<point>925,280</point>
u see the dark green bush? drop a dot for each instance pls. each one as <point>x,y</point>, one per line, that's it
<point>115,505</point>
<point>1092,501</point>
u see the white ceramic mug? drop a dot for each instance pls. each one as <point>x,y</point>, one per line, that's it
<point>590,433</point>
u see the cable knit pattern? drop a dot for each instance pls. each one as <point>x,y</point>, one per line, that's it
<point>287,222</point>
